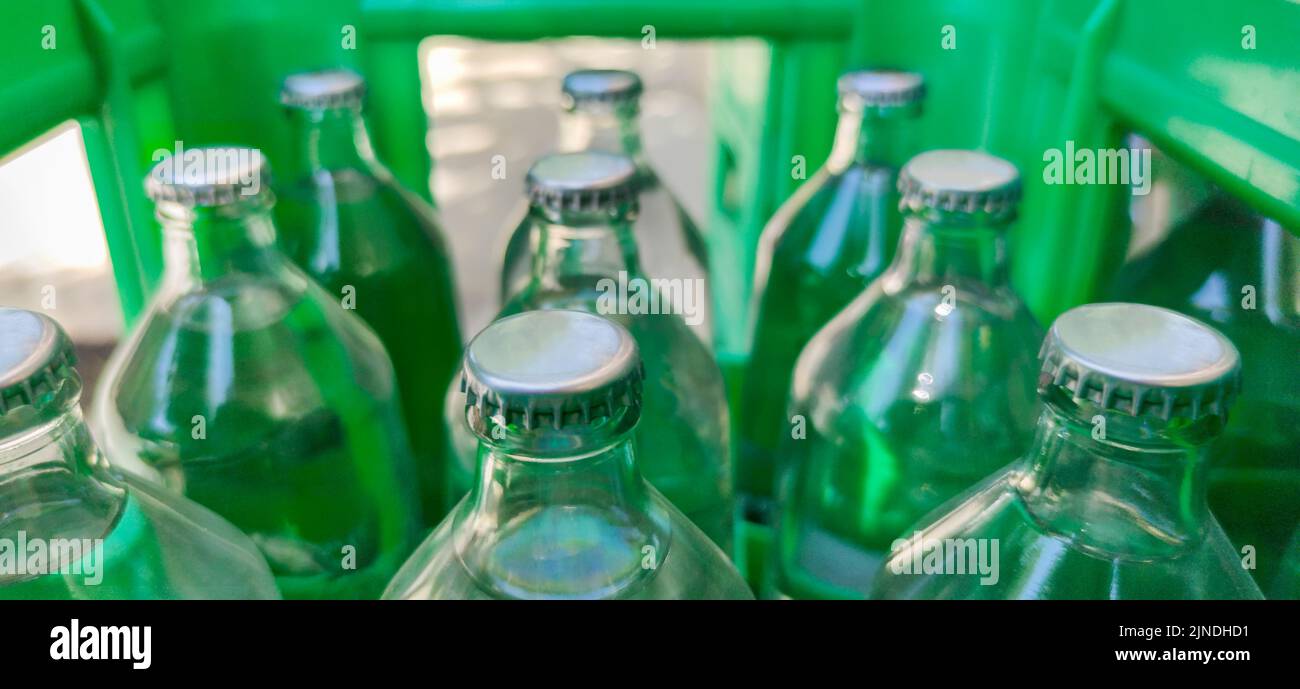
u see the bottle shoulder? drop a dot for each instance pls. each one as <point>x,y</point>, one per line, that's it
<point>351,225</point>
<point>829,221</point>
<point>898,343</point>
<point>1022,559</point>
<point>660,555</point>
<point>248,349</point>
<point>155,546</point>
<point>220,561</point>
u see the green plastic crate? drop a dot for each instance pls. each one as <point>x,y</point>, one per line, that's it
<point>1023,76</point>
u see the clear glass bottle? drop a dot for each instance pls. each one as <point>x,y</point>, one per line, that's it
<point>1109,501</point>
<point>75,528</point>
<point>919,388</point>
<point>601,108</point>
<point>1229,266</point>
<point>819,251</point>
<point>582,207</point>
<point>249,389</point>
<point>559,509</point>
<point>377,248</point>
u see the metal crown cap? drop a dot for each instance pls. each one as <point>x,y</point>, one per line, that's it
<point>36,360</point>
<point>960,185</point>
<point>608,87</point>
<point>585,181</point>
<point>552,368</point>
<point>1142,360</point>
<point>209,176</point>
<point>324,89</point>
<point>879,88</point>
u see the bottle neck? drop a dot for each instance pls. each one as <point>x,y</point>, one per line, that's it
<point>569,526</point>
<point>573,249</point>
<point>1280,256</point>
<point>614,130</point>
<point>870,139</point>
<point>328,140</point>
<point>935,253</point>
<point>207,243</point>
<point>509,484</point>
<point>1115,485</point>
<point>45,469</point>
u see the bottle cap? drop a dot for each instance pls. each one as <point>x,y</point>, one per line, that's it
<point>615,88</point>
<point>883,89</point>
<point>209,176</point>
<point>325,89</point>
<point>36,361</point>
<point>552,369</point>
<point>959,186</point>
<point>586,181</point>
<point>1141,359</point>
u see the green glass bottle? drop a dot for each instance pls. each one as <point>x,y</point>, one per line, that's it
<point>601,109</point>
<point>919,388</point>
<point>72,527</point>
<point>582,207</point>
<point>376,248</point>
<point>819,251</point>
<point>559,509</point>
<point>1231,267</point>
<point>1109,501</point>
<point>248,388</point>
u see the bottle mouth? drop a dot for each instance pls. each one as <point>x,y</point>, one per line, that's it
<point>38,375</point>
<point>590,89</point>
<point>851,106</point>
<point>33,420</point>
<point>573,216</point>
<point>958,226</point>
<point>209,176</point>
<point>959,216</point>
<point>620,109</point>
<point>1141,360</point>
<point>879,89</point>
<point>1117,428</point>
<point>552,379</point>
<point>548,443</point>
<point>583,182</point>
<point>178,215</point>
<point>326,89</point>
<point>959,187</point>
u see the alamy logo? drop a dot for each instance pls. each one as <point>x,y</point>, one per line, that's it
<point>640,296</point>
<point>1131,166</point>
<point>193,166</point>
<point>921,555</point>
<point>75,642</point>
<point>23,556</point>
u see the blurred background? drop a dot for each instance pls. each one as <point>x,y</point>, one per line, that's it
<point>488,99</point>
<point>726,110</point>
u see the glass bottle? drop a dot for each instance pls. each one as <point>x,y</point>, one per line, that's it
<point>71,527</point>
<point>582,207</point>
<point>1228,266</point>
<point>249,389</point>
<point>819,251</point>
<point>378,249</point>
<point>601,109</point>
<point>559,509</point>
<point>1109,501</point>
<point>919,388</point>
